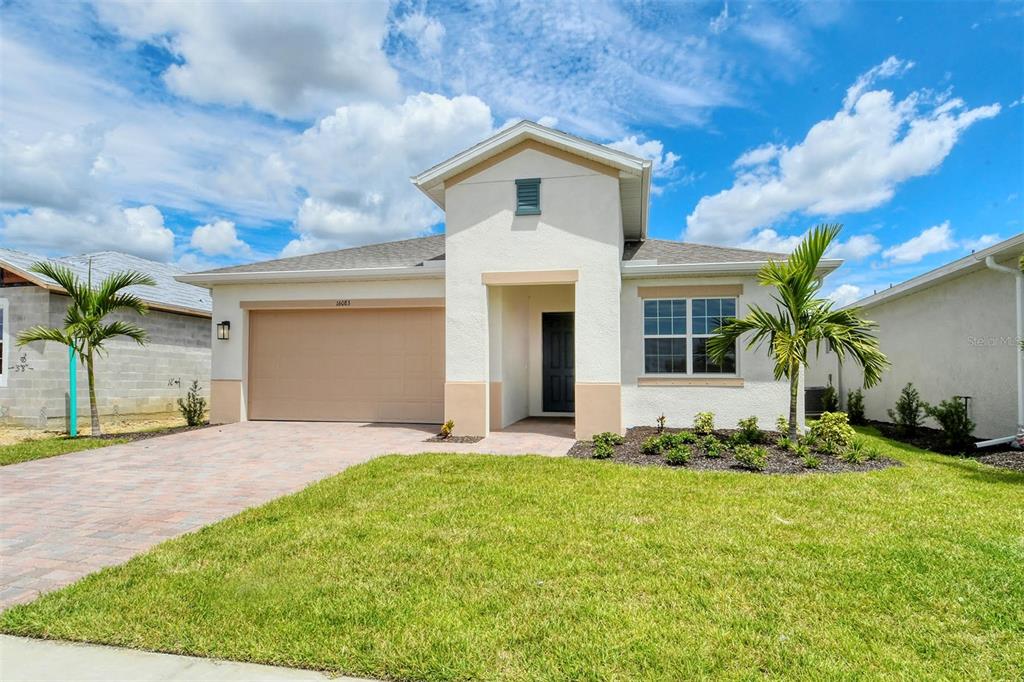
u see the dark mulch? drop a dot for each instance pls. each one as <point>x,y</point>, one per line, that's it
<point>928,438</point>
<point>141,435</point>
<point>779,461</point>
<point>454,439</point>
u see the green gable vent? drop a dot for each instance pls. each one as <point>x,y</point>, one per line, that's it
<point>528,197</point>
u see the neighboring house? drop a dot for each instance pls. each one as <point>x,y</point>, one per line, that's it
<point>130,379</point>
<point>952,332</point>
<point>544,297</point>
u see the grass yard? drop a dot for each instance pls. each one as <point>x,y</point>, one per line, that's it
<point>41,448</point>
<point>455,567</point>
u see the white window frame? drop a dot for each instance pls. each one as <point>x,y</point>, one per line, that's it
<point>6,355</point>
<point>687,340</point>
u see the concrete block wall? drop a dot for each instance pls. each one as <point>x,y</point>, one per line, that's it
<point>130,379</point>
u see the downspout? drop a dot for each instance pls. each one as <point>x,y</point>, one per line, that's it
<point>991,264</point>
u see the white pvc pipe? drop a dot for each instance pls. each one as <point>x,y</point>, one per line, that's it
<point>990,262</point>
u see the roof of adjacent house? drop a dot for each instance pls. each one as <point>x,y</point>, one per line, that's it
<point>634,172</point>
<point>424,257</point>
<point>168,294</point>
<point>1007,250</point>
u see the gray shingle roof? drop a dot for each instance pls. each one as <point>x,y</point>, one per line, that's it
<point>167,292</point>
<point>681,253</point>
<point>404,253</point>
<point>410,252</point>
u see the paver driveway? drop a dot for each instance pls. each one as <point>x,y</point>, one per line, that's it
<point>64,517</point>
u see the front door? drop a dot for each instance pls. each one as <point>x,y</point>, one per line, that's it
<point>559,362</point>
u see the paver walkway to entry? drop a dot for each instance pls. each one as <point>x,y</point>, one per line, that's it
<point>64,517</point>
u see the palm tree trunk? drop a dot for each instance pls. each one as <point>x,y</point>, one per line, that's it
<point>794,392</point>
<point>94,413</point>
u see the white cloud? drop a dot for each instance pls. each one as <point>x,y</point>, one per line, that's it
<point>890,68</point>
<point>57,170</point>
<point>849,163</point>
<point>139,231</point>
<point>664,162</point>
<point>856,248</point>
<point>845,294</point>
<point>427,33</point>
<point>770,240</point>
<point>982,242</point>
<point>291,59</point>
<point>219,238</point>
<point>721,22</point>
<point>935,239</point>
<point>355,167</point>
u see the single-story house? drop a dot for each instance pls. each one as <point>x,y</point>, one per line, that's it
<point>543,297</point>
<point>952,331</point>
<point>130,379</point>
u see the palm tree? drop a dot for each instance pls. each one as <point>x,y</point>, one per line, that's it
<point>85,328</point>
<point>802,319</point>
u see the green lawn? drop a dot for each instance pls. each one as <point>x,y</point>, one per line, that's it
<point>455,567</point>
<point>50,447</point>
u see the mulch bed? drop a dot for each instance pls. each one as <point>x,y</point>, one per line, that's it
<point>926,438</point>
<point>454,439</point>
<point>136,435</point>
<point>779,461</point>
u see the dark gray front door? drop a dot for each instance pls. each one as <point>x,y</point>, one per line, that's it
<point>559,362</point>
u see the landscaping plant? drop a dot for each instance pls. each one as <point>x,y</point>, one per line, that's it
<point>711,446</point>
<point>802,319</point>
<point>193,406</point>
<point>782,425</point>
<point>749,430</point>
<point>957,427</point>
<point>855,407</point>
<point>704,422</point>
<point>446,429</point>
<point>754,457</point>
<point>604,444</point>
<point>678,455</point>
<point>910,410</point>
<point>832,433</point>
<point>661,424</point>
<point>86,329</point>
<point>829,400</point>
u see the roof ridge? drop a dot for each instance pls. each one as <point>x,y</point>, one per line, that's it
<point>715,246</point>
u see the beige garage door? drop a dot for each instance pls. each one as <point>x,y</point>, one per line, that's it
<point>347,365</point>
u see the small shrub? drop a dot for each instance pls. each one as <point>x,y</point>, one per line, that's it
<point>782,424</point>
<point>753,457</point>
<point>910,410</point>
<point>608,438</point>
<point>651,446</point>
<point>736,439</point>
<point>678,455</point>
<point>447,428</point>
<point>704,422</point>
<point>857,453</point>
<point>711,446</point>
<point>855,407</point>
<point>656,445</point>
<point>661,424</point>
<point>193,406</point>
<point>810,460</point>
<point>602,450</point>
<point>957,427</point>
<point>749,430</point>
<point>830,400</point>
<point>832,432</point>
<point>801,450</point>
<point>784,443</point>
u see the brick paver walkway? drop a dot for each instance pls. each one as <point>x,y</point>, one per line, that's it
<point>64,517</point>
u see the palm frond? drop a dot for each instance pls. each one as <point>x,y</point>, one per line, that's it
<point>66,278</point>
<point>119,328</point>
<point>41,333</point>
<point>117,281</point>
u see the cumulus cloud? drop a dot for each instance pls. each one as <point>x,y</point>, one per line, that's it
<point>849,163</point>
<point>355,166</point>
<point>219,238</point>
<point>665,168</point>
<point>935,239</point>
<point>426,32</point>
<point>856,248</point>
<point>770,240</point>
<point>139,231</point>
<point>57,170</point>
<point>845,294</point>
<point>291,59</point>
<point>982,242</point>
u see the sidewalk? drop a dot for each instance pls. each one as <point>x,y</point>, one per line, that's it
<point>37,660</point>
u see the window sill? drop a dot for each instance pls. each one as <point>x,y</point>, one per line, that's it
<point>527,212</point>
<point>718,382</point>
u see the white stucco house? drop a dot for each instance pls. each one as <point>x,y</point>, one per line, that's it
<point>543,297</point>
<point>952,331</point>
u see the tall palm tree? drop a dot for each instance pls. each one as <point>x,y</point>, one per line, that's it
<point>802,319</point>
<point>85,328</point>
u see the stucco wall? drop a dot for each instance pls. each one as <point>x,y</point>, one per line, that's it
<point>760,395</point>
<point>230,356</point>
<point>130,379</point>
<point>579,228</point>
<point>955,338</point>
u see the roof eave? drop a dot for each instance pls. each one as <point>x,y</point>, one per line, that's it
<point>646,270</point>
<point>211,279</point>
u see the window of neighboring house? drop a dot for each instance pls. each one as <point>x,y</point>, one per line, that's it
<point>528,197</point>
<point>4,345</point>
<point>676,334</point>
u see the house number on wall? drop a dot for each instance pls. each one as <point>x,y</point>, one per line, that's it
<point>343,303</point>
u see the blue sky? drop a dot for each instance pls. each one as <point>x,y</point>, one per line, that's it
<point>210,134</point>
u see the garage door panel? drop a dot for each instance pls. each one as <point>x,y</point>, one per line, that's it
<point>347,365</point>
